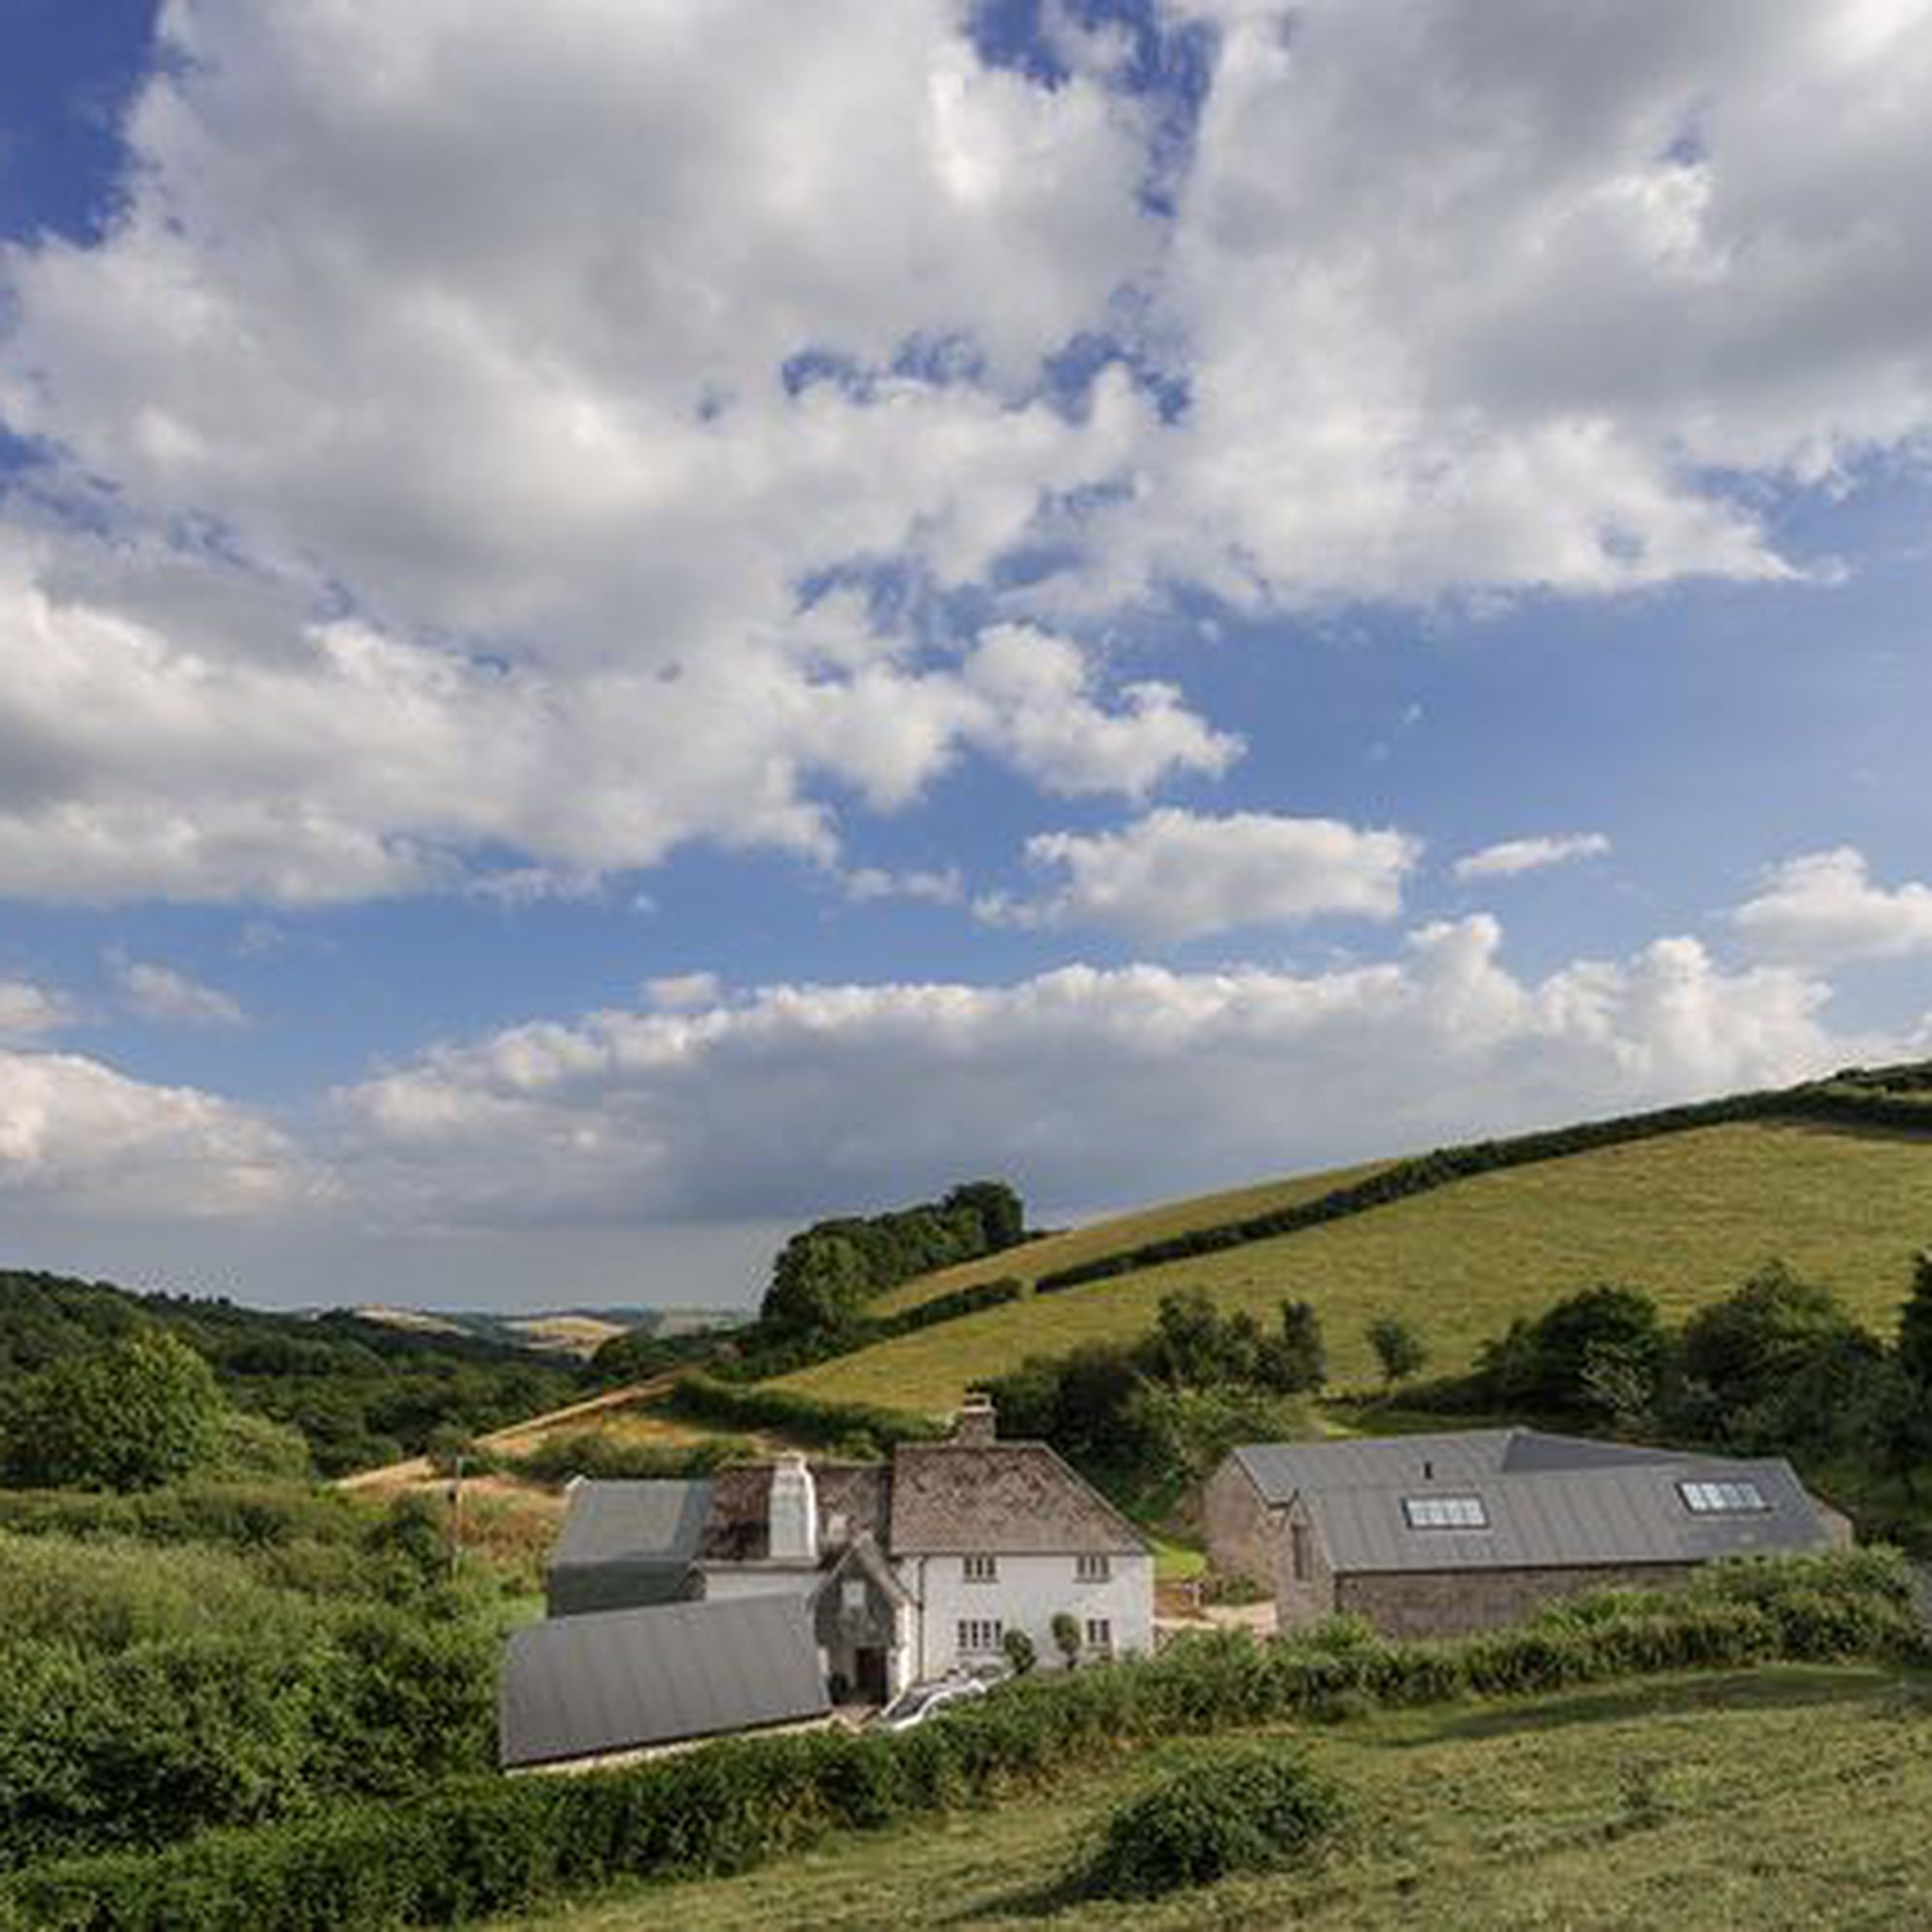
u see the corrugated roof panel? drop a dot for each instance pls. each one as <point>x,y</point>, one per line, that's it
<point>617,1680</point>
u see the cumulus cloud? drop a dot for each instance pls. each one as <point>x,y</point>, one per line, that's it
<point>1511,856</point>
<point>1825,907</point>
<point>170,998</point>
<point>483,393</point>
<point>78,1138</point>
<point>29,1011</point>
<point>1094,1086</point>
<point>1176,874</point>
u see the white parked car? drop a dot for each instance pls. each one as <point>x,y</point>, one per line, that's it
<point>913,1707</point>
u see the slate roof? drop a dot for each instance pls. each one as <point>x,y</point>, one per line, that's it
<point>655,1522</point>
<point>577,1687</point>
<point>1003,1499</point>
<point>852,1500</point>
<point>1550,1501</point>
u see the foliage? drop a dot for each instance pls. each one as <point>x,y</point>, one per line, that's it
<point>590,1452</point>
<point>1914,1327</point>
<point>360,1392</point>
<point>1398,1349</point>
<point>1020,1652</point>
<point>1233,1809</point>
<point>801,1418</point>
<point>1296,1361</point>
<point>1602,1348</point>
<point>763,1350</point>
<point>1065,1628</point>
<point>126,1415</point>
<point>478,1846</point>
<point>824,1274</point>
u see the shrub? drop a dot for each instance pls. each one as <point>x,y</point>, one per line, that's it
<point>1020,1652</point>
<point>803,1418</point>
<point>589,1451</point>
<point>1246,1808</point>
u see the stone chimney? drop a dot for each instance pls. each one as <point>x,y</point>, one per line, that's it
<point>794,1512</point>
<point>976,1425</point>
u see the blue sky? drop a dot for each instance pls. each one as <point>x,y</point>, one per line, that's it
<point>622,634</point>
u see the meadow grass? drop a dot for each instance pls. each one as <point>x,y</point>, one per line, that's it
<point>1685,1217</point>
<point>1784,1797</point>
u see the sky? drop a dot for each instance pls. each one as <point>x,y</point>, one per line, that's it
<point>628,623</point>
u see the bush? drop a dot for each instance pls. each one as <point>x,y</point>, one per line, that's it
<point>1021,1652</point>
<point>588,1452</point>
<point>1244,1808</point>
<point>480,1846</point>
<point>803,1418</point>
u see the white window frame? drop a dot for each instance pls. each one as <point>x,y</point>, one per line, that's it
<point>1092,1569</point>
<point>1100,1634</point>
<point>978,1568</point>
<point>981,1636</point>
<point>1445,1512</point>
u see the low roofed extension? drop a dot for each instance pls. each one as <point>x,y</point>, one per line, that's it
<point>585,1687</point>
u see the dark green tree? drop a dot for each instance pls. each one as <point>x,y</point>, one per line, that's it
<point>1914,1326</point>
<point>1398,1349</point>
<point>1294,1361</point>
<point>129,1416</point>
<point>1739,1350</point>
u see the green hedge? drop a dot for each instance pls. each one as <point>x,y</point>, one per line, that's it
<point>480,1846</point>
<point>1830,1100</point>
<point>803,1418</point>
<point>760,1359</point>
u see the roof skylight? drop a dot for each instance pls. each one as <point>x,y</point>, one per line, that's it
<point>1722,1499</point>
<point>1445,1512</point>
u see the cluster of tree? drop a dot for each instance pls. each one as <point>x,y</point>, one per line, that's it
<point>1892,1097</point>
<point>1167,1408</point>
<point>358,1391</point>
<point>1778,1366</point>
<point>824,1275</point>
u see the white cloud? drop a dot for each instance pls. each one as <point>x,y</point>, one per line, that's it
<point>1513,856</point>
<point>678,993</point>
<point>1175,874</point>
<point>1088,1086</point>
<point>478,319</point>
<point>78,1138</point>
<point>1824,906</point>
<point>944,887</point>
<point>172,999</point>
<point>28,1011</point>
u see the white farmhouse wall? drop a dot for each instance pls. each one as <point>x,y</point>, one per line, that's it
<point>1027,1594</point>
<point>757,1580</point>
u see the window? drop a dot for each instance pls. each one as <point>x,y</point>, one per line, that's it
<point>1445,1512</point>
<point>1093,1568</point>
<point>980,1637</point>
<point>1099,1634</point>
<point>1297,1551</point>
<point>1722,1499</point>
<point>983,1569</point>
<point>852,1594</point>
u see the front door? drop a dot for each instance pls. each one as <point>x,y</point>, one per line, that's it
<point>868,1666</point>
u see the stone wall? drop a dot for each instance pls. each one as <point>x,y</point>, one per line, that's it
<point>1248,1537</point>
<point>1457,1603</point>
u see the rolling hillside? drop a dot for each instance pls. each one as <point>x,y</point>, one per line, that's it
<point>1684,1216</point>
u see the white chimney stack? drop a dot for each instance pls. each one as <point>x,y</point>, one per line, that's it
<point>794,1512</point>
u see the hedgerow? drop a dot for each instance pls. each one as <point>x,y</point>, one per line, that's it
<point>762,1355</point>
<point>478,1846</point>
<point>803,1418</point>
<point>1831,1101</point>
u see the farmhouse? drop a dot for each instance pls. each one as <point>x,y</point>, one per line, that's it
<point>891,1574</point>
<point>1447,1533</point>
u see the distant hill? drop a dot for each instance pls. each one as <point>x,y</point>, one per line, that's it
<point>577,1333</point>
<point>1834,1177</point>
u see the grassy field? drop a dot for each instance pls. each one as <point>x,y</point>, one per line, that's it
<point>1684,1216</point>
<point>1035,1259</point>
<point>1782,1798</point>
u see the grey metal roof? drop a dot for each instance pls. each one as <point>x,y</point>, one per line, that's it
<point>633,1521</point>
<point>1550,1501</point>
<point>1629,1514</point>
<point>577,1687</point>
<point>1280,1470</point>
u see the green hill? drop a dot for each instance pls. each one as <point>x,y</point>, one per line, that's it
<point>1684,1215</point>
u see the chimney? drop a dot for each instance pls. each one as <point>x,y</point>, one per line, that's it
<point>793,1511</point>
<point>976,1425</point>
<point>1428,1471</point>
